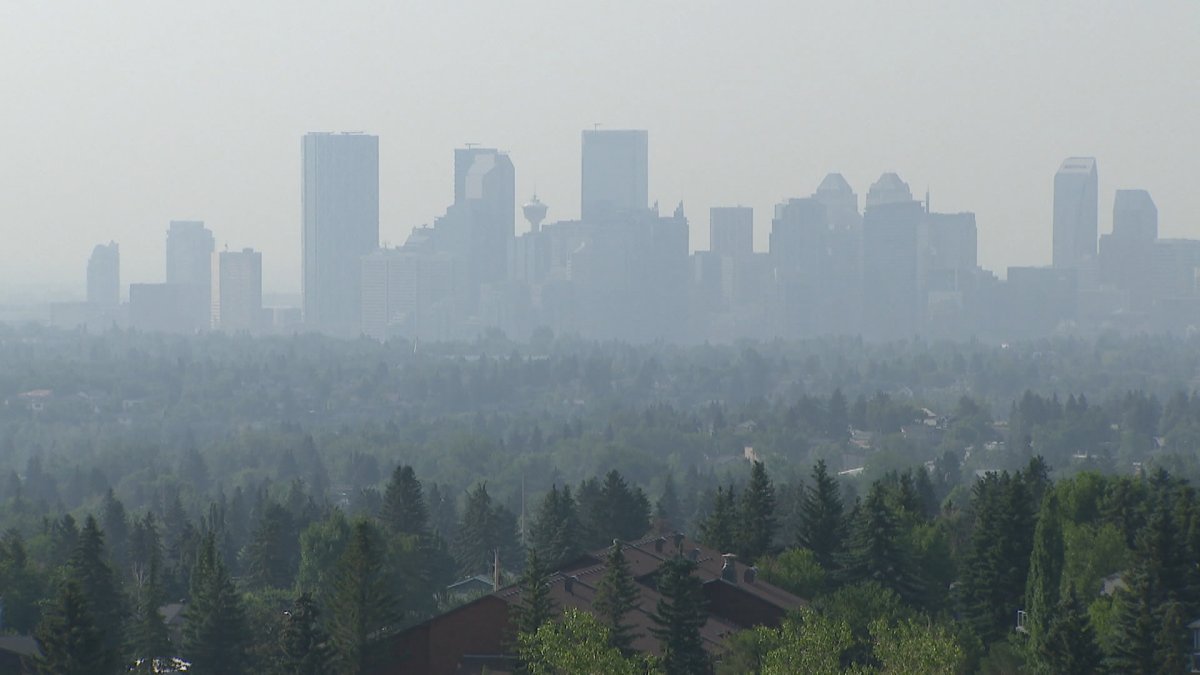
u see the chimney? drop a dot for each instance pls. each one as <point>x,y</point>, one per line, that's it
<point>659,544</point>
<point>694,555</point>
<point>569,584</point>
<point>750,575</point>
<point>729,569</point>
<point>495,570</point>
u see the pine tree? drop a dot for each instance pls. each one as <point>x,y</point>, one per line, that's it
<point>536,606</point>
<point>215,632</point>
<point>678,617</point>
<point>667,510</point>
<point>875,551</point>
<point>404,510</point>
<point>362,605</point>
<point>997,562</point>
<point>1069,646</point>
<point>1171,653</point>
<point>89,566</point>
<point>616,596</point>
<point>71,641</point>
<point>274,550</point>
<point>555,531</point>
<point>822,518</point>
<point>612,510</point>
<point>303,645</point>
<point>1045,572</point>
<point>116,530</point>
<point>147,637</point>
<point>758,521</point>
<point>719,530</point>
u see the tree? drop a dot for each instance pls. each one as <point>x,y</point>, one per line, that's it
<point>215,631</point>
<point>303,645</point>
<point>667,510</point>
<point>719,529</point>
<point>876,552</point>
<point>274,551</point>
<point>404,510</point>
<point>1171,646</point>
<point>89,566</point>
<point>678,617</point>
<point>147,634</point>
<point>116,529</point>
<point>22,584</point>
<point>617,595</point>
<point>1045,572</point>
<point>1069,646</point>
<point>362,605</point>
<point>912,647</point>
<point>795,570</point>
<point>71,642</point>
<point>758,522</point>
<point>997,561</point>
<point>485,529</point>
<point>579,645</point>
<point>536,606</point>
<point>555,532</point>
<point>822,518</point>
<point>616,511</point>
<point>808,643</point>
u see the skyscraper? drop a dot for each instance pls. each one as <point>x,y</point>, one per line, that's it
<point>237,290</point>
<point>615,174</point>
<point>485,184</point>
<point>731,230</point>
<point>1075,213</point>
<point>891,307</point>
<point>1135,215</point>
<point>340,206</point>
<point>189,251</point>
<point>104,275</point>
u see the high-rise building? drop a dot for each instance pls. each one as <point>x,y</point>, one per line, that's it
<point>891,296</point>
<point>237,304</point>
<point>1135,215</point>
<point>104,275</point>
<point>402,289</point>
<point>731,230</point>
<point>1075,213</point>
<point>841,204</point>
<point>190,247</point>
<point>340,206</point>
<point>615,174</point>
<point>485,184</point>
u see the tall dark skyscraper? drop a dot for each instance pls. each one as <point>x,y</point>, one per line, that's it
<point>615,174</point>
<point>104,275</point>
<point>340,206</point>
<point>1075,212</point>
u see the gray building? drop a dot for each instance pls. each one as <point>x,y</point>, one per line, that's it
<point>615,174</point>
<point>237,304</point>
<point>104,275</point>
<point>340,207</point>
<point>190,247</point>
<point>731,230</point>
<point>890,291</point>
<point>1075,213</point>
<point>1127,254</point>
<point>1135,215</point>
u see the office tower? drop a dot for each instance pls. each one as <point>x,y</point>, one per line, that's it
<point>731,230</point>
<point>166,308</point>
<point>949,243</point>
<point>402,292</point>
<point>1075,213</point>
<point>485,186</point>
<point>615,174</point>
<point>104,275</point>
<point>237,291</point>
<point>189,251</point>
<point>340,206</point>
<point>890,291</point>
<point>841,204</point>
<point>1135,216</point>
<point>799,250</point>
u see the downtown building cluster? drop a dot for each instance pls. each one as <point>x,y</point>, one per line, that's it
<point>890,268</point>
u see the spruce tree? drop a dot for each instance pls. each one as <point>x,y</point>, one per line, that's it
<point>147,637</point>
<point>758,522</point>
<point>362,605</point>
<point>485,528</point>
<point>215,632</point>
<point>616,596</point>
<point>404,510</point>
<point>822,518</point>
<point>555,531</point>
<point>997,562</point>
<point>303,645</point>
<point>274,550</point>
<point>667,510</point>
<point>1171,645</point>
<point>720,529</point>
<point>536,606</point>
<point>89,566</point>
<point>1069,646</point>
<point>876,552</point>
<point>71,641</point>
<point>678,617</point>
<point>1045,572</point>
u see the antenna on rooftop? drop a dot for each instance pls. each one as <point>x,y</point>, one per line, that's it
<point>471,145</point>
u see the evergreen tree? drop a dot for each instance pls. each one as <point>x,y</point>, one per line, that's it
<point>678,617</point>
<point>1045,572</point>
<point>822,518</point>
<point>303,645</point>
<point>876,552</point>
<point>720,529</point>
<point>616,596</point>
<point>362,605</point>
<point>1171,645</point>
<point>612,510</point>
<point>147,635</point>
<point>667,510</point>
<point>22,584</point>
<point>997,561</point>
<point>536,606</point>
<point>1137,627</point>
<point>485,529</point>
<point>404,510</point>
<point>555,531</point>
<point>274,550</point>
<point>1069,646</point>
<point>89,566</point>
<point>116,530</point>
<point>71,641</point>
<point>215,632</point>
<point>758,521</point>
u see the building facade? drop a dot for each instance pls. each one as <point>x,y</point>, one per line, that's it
<point>615,174</point>
<point>237,304</point>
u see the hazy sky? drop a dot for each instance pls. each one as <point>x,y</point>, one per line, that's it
<point>118,117</point>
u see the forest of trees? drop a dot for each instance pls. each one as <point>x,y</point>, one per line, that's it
<point>307,496</point>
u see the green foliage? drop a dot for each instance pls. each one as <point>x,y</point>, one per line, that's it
<point>822,518</point>
<point>486,528</point>
<point>72,643</point>
<point>1045,572</point>
<point>89,566</point>
<point>556,532</point>
<point>404,510</point>
<point>795,570</point>
<point>616,596</point>
<point>303,647</point>
<point>997,563</point>
<point>757,522</point>
<point>362,609</point>
<point>578,644</point>
<point>912,647</point>
<point>678,617</point>
<point>876,551</point>
<point>1069,646</point>
<point>215,631</point>
<point>720,530</point>
<point>808,643</point>
<point>273,555</point>
<point>536,606</point>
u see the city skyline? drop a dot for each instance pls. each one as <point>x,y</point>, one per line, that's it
<point>750,104</point>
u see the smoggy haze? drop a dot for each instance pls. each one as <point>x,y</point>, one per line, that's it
<point>119,117</point>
